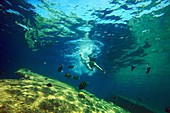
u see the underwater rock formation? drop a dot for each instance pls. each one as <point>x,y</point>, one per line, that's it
<point>81,95</point>
<point>33,95</point>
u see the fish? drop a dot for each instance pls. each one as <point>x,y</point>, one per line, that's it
<point>82,85</point>
<point>133,67</point>
<point>49,85</point>
<point>114,97</point>
<point>68,75</point>
<point>148,69</point>
<point>60,68</point>
<point>71,66</point>
<point>76,77</point>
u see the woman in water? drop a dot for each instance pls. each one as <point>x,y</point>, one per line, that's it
<point>90,62</point>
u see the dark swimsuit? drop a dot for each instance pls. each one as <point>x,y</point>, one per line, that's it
<point>92,62</point>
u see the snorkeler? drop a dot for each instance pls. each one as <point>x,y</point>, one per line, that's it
<point>90,62</point>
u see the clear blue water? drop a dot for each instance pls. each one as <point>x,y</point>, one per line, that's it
<point>43,34</point>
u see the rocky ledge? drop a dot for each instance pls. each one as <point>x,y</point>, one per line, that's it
<point>35,93</point>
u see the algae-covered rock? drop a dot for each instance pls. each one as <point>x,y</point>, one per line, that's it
<point>81,95</point>
<point>33,95</point>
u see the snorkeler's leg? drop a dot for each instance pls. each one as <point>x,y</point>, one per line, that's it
<point>99,67</point>
<point>88,66</point>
